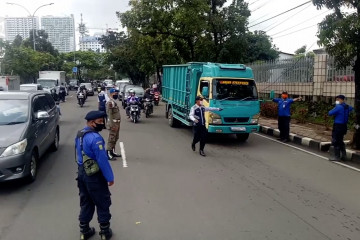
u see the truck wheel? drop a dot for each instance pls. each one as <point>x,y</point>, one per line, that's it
<point>173,122</point>
<point>242,137</point>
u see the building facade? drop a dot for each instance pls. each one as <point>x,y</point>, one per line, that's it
<point>19,26</point>
<point>91,43</point>
<point>61,31</point>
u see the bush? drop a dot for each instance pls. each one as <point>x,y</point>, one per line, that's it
<point>269,109</point>
<point>301,114</point>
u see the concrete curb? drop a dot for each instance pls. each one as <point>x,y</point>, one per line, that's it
<point>311,143</point>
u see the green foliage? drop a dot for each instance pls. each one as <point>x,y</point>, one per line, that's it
<point>41,42</point>
<point>269,109</point>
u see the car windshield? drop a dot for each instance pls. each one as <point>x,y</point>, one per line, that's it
<point>87,85</point>
<point>47,83</point>
<point>13,112</point>
<point>230,89</point>
<point>28,88</point>
<point>72,81</point>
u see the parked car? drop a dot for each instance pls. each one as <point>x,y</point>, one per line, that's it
<point>29,126</point>
<point>31,87</point>
<point>89,89</point>
<point>139,91</point>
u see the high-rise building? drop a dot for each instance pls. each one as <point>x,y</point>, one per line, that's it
<point>2,28</point>
<point>19,26</point>
<point>61,31</point>
<point>91,43</point>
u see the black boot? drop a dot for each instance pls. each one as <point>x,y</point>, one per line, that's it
<point>110,155</point>
<point>343,155</point>
<point>105,231</point>
<point>115,154</point>
<point>202,153</point>
<point>336,155</point>
<point>86,231</point>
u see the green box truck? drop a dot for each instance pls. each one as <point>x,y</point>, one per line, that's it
<point>227,86</point>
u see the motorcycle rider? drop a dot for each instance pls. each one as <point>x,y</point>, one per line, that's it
<point>132,99</point>
<point>62,92</point>
<point>148,94</point>
<point>82,90</point>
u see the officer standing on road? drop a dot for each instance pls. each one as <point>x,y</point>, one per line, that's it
<point>114,119</point>
<point>102,99</point>
<point>94,177</point>
<point>197,115</point>
<point>62,92</point>
<point>341,113</point>
<point>284,105</point>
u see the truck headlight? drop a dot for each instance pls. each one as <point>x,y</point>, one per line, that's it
<point>15,149</point>
<point>255,119</point>
<point>214,119</point>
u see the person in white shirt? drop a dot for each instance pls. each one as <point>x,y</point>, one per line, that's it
<point>197,115</point>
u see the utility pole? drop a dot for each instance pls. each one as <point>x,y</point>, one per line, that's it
<point>32,17</point>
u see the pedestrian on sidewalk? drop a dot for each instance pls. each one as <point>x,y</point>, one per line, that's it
<point>284,115</point>
<point>95,175</point>
<point>197,115</point>
<point>341,113</point>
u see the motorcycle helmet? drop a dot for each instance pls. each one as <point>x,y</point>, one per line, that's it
<point>132,93</point>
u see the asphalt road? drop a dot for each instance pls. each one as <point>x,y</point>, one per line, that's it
<point>257,190</point>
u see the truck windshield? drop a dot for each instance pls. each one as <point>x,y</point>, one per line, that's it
<point>47,83</point>
<point>230,89</point>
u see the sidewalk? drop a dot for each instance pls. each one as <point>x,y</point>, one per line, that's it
<point>310,135</point>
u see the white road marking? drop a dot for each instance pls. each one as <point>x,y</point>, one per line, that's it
<point>308,152</point>
<point>123,156</point>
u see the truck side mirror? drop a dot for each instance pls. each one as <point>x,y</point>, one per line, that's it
<point>205,92</point>
<point>57,82</point>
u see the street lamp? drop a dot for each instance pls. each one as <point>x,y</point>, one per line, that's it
<point>33,16</point>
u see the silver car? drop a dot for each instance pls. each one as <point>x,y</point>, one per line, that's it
<point>29,125</point>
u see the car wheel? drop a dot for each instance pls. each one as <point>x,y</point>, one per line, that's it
<point>33,167</point>
<point>55,145</point>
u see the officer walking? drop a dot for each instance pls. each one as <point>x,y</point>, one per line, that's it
<point>102,99</point>
<point>341,113</point>
<point>197,115</point>
<point>62,92</point>
<point>284,105</point>
<point>114,117</point>
<point>94,177</point>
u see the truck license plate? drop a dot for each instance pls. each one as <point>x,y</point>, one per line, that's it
<point>238,129</point>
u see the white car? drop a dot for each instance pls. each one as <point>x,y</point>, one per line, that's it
<point>31,87</point>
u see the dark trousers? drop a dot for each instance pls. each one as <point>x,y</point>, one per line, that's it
<point>93,192</point>
<point>199,136</point>
<point>284,127</point>
<point>338,133</point>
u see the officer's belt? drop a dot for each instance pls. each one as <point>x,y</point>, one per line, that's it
<point>115,120</point>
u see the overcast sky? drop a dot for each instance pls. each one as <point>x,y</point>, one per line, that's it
<point>100,13</point>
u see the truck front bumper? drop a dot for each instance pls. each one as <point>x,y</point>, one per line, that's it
<point>233,129</point>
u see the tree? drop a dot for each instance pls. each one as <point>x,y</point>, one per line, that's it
<point>41,42</point>
<point>339,33</point>
<point>301,50</point>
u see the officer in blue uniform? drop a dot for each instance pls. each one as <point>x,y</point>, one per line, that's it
<point>341,113</point>
<point>102,100</point>
<point>284,115</point>
<point>197,115</point>
<point>95,175</point>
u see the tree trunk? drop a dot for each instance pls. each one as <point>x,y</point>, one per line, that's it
<point>356,139</point>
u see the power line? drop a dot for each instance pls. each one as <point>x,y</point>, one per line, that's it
<point>299,24</point>
<point>296,31</point>
<point>254,2</point>
<point>263,5</point>
<point>288,18</point>
<point>281,13</point>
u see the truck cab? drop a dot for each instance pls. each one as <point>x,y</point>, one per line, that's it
<point>230,87</point>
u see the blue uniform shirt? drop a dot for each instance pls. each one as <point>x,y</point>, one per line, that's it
<point>132,99</point>
<point>102,101</point>
<point>284,106</point>
<point>94,147</point>
<point>341,113</point>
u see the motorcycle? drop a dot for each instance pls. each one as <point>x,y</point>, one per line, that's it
<point>81,99</point>
<point>156,98</point>
<point>148,107</point>
<point>62,94</point>
<point>134,113</point>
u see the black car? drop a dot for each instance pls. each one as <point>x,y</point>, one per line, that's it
<point>29,126</point>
